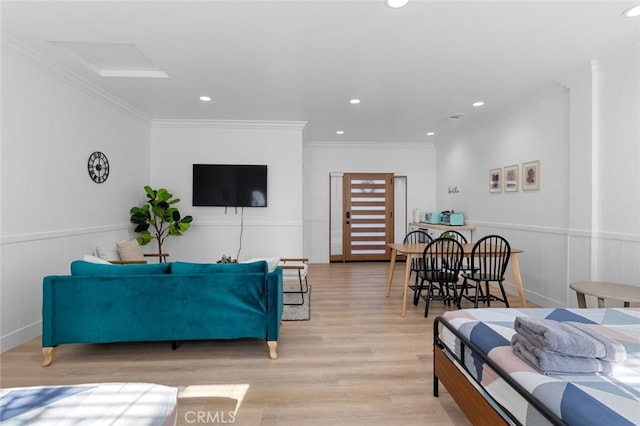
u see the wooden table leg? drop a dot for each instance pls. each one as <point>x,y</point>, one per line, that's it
<point>392,266</point>
<point>600,302</point>
<point>407,275</point>
<point>582,301</point>
<point>518,278</point>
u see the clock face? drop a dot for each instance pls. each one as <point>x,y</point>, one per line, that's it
<point>98,166</point>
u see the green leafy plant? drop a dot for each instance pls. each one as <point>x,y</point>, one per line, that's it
<point>158,219</point>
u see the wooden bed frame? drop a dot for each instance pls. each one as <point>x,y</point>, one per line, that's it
<point>479,407</point>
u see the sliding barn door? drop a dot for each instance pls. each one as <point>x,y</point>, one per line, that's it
<point>368,224</point>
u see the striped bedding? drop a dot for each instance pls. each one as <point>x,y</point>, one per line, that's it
<point>577,399</point>
<point>90,404</point>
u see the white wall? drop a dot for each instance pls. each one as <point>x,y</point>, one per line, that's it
<point>616,250</point>
<point>274,231</point>
<point>534,221</point>
<point>582,224</point>
<point>52,212</point>
<point>416,161</point>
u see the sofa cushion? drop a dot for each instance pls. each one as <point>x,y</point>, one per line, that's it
<point>214,268</point>
<point>80,267</point>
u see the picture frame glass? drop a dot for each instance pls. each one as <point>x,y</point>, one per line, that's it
<point>511,178</point>
<point>531,176</point>
<point>495,180</point>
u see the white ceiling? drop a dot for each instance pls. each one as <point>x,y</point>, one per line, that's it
<point>303,60</point>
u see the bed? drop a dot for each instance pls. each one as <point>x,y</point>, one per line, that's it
<point>474,361</point>
<point>90,404</point>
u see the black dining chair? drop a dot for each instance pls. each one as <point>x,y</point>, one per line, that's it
<point>489,259</point>
<point>416,237</point>
<point>465,266</point>
<point>441,265</point>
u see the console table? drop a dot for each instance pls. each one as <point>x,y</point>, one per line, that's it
<point>603,290</point>
<point>435,230</point>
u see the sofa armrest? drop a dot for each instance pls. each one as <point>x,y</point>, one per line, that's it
<point>274,304</point>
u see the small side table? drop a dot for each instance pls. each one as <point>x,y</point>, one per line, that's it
<point>603,290</point>
<point>162,257</point>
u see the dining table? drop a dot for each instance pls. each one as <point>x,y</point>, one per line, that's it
<point>415,250</point>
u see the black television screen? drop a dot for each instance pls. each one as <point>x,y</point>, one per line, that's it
<point>230,185</point>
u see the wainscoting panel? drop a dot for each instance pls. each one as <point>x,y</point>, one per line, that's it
<point>617,258</point>
<point>580,262</point>
<point>26,260</point>
<point>543,263</point>
<point>555,257</point>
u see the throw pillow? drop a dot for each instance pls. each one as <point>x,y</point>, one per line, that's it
<point>107,252</point>
<point>130,250</point>
<point>94,259</point>
<point>272,262</point>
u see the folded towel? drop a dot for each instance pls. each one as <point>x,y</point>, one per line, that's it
<point>550,335</point>
<point>554,363</point>
<point>614,351</point>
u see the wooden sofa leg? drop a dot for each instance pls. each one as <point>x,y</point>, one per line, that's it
<point>273,349</point>
<point>48,353</point>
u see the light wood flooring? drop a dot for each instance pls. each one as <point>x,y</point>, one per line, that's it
<point>356,362</point>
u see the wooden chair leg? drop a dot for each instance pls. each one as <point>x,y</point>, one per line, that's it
<point>428,298</point>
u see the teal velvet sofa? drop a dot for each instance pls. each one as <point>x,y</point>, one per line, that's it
<point>174,302</point>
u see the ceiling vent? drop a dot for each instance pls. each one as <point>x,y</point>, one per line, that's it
<point>112,59</point>
<point>456,116</point>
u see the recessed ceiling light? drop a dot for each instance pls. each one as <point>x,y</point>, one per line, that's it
<point>205,98</point>
<point>397,3</point>
<point>354,101</point>
<point>632,12</point>
<point>340,132</point>
<point>430,133</point>
<point>478,104</point>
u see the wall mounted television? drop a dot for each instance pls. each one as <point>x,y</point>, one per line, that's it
<point>230,185</point>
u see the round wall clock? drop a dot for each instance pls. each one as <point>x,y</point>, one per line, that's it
<point>98,166</point>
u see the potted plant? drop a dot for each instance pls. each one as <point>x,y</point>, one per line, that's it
<point>158,218</point>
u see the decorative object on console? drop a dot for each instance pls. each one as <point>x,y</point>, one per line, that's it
<point>98,166</point>
<point>158,213</point>
<point>227,259</point>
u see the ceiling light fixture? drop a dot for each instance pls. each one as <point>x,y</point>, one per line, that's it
<point>205,98</point>
<point>632,12</point>
<point>397,3</point>
<point>340,132</point>
<point>430,133</point>
<point>354,101</point>
<point>478,104</point>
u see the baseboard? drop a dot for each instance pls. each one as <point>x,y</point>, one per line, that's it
<point>18,337</point>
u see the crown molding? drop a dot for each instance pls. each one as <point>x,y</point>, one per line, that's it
<point>23,51</point>
<point>228,124</point>
<point>371,145</point>
<point>622,58</point>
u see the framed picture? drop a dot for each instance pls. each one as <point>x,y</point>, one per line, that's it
<point>511,178</point>
<point>531,176</point>
<point>495,180</point>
